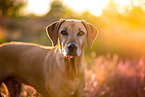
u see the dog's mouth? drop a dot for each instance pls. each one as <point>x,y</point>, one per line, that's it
<point>70,55</point>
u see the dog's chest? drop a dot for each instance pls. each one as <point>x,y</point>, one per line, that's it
<point>64,88</point>
<point>71,85</point>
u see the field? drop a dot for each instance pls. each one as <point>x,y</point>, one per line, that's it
<point>107,76</point>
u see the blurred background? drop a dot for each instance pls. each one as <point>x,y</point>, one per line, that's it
<point>114,66</point>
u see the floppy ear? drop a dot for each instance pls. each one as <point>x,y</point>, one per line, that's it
<point>52,31</point>
<point>91,32</point>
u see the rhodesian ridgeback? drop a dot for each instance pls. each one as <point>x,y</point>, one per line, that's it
<point>56,71</point>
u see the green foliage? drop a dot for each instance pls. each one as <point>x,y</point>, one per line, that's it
<point>10,8</point>
<point>58,9</point>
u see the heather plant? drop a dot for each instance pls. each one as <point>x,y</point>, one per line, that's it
<point>111,76</point>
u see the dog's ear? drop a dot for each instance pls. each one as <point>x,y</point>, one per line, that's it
<point>52,31</point>
<point>92,32</point>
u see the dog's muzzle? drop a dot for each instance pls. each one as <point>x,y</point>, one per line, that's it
<point>72,49</point>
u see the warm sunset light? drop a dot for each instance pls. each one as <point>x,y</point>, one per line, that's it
<point>122,5</point>
<point>95,7</point>
<point>114,66</point>
<point>38,7</point>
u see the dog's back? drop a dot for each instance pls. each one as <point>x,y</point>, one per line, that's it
<point>19,64</point>
<point>16,54</point>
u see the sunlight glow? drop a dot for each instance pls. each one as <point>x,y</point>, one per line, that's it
<point>143,5</point>
<point>136,2</point>
<point>38,7</point>
<point>93,6</point>
<point>123,2</point>
<point>122,5</point>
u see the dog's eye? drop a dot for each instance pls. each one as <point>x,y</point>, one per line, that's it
<point>63,32</point>
<point>81,33</point>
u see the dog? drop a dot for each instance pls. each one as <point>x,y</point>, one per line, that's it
<point>56,71</point>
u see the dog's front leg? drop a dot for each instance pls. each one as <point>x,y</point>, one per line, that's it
<point>77,93</point>
<point>14,87</point>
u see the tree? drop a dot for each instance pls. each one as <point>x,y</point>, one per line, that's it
<point>10,8</point>
<point>58,9</point>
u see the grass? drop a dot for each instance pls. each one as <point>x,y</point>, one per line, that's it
<point>107,76</point>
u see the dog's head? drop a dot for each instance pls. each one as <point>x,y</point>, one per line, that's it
<point>71,35</point>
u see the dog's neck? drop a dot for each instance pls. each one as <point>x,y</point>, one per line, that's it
<point>71,67</point>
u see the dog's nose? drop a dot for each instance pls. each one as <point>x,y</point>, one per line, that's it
<point>72,47</point>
